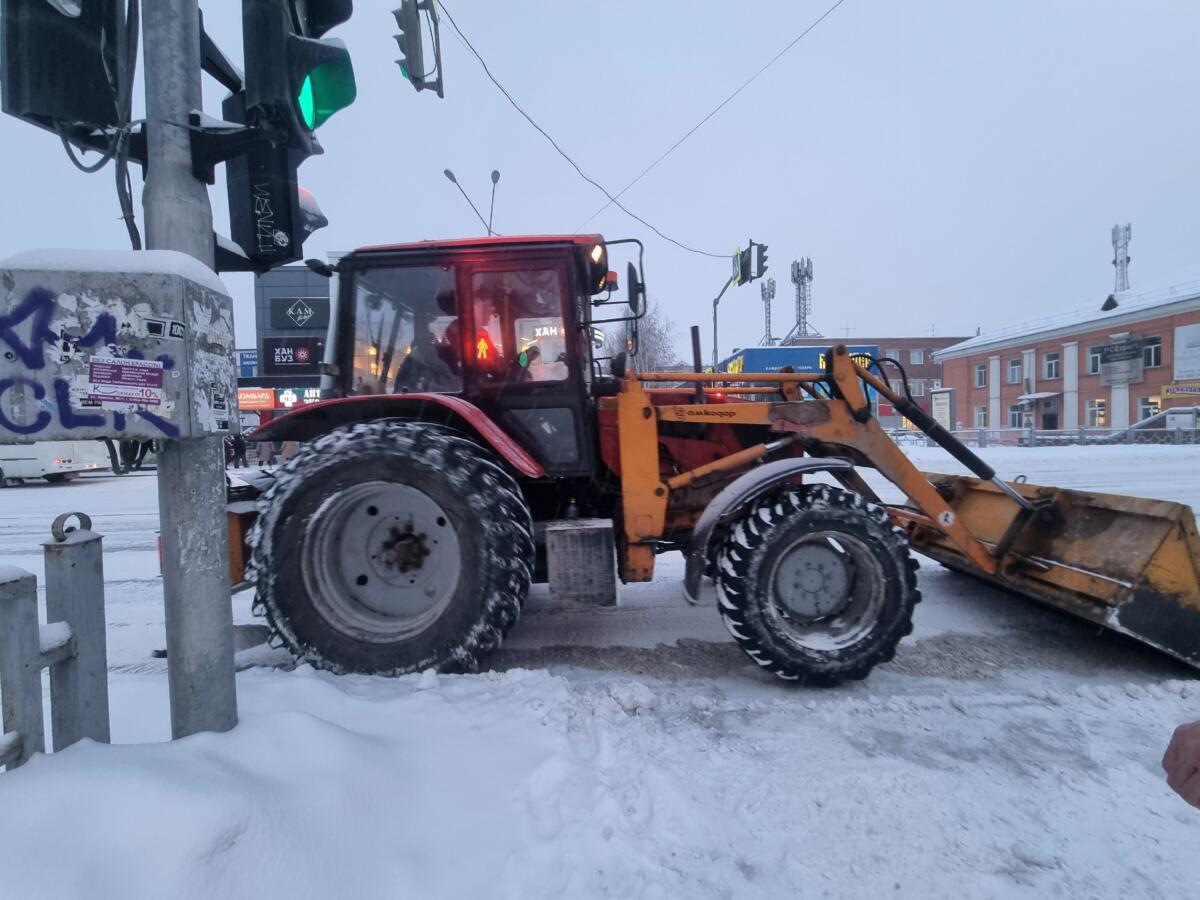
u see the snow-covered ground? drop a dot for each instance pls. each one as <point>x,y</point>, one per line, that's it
<point>1008,750</point>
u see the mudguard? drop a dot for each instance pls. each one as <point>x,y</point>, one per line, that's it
<point>742,490</point>
<point>307,422</point>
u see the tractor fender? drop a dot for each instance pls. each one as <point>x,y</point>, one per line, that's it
<point>315,419</point>
<point>733,498</point>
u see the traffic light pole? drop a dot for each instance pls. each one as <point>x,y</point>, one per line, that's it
<point>191,471</point>
<point>717,300</point>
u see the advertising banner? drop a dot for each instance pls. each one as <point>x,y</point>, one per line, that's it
<point>1187,352</point>
<point>293,356</point>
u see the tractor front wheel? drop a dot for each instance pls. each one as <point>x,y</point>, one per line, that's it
<point>816,585</point>
<point>392,547</point>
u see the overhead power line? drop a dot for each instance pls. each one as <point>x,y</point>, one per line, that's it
<point>611,199</point>
<point>716,109</point>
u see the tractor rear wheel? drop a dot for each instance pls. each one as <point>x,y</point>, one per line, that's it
<point>391,547</point>
<point>816,585</point>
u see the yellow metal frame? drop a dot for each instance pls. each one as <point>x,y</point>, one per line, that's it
<point>830,422</point>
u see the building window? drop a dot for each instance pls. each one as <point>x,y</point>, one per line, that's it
<point>1152,352</point>
<point>1093,360</point>
<point>981,417</point>
<point>916,357</point>
<point>1014,371</point>
<point>1014,416</point>
<point>1147,407</point>
<point>981,375</point>
<point>1051,365</point>
<point>917,386</point>
<point>1097,413</point>
<point>892,354</point>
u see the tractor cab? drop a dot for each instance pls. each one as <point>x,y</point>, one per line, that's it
<point>504,323</point>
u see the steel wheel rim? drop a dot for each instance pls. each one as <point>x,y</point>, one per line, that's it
<point>382,561</point>
<point>845,620</point>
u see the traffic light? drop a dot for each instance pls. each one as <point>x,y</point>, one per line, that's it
<point>741,266</point>
<point>412,53</point>
<point>761,266</point>
<point>295,82</point>
<point>62,61</point>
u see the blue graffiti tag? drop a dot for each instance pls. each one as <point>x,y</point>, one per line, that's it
<point>39,393</point>
<point>38,305</point>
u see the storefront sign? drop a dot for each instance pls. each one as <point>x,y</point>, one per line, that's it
<point>300,312</point>
<point>247,363</point>
<point>286,398</point>
<point>293,356</point>
<point>1190,389</point>
<point>1121,362</point>
<point>256,398</point>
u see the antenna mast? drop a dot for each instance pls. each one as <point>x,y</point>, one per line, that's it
<point>1120,242</point>
<point>802,276</point>
<point>767,288</point>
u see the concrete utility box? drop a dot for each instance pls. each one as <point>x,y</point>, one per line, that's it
<point>114,344</point>
<point>581,561</point>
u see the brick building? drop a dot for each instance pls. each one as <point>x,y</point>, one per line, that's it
<point>916,354</point>
<point>1108,366</point>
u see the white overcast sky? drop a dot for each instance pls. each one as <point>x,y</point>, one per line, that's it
<point>946,164</point>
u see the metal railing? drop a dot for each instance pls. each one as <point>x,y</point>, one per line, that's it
<point>1037,437</point>
<point>72,645</point>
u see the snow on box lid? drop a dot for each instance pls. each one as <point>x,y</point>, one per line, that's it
<point>141,262</point>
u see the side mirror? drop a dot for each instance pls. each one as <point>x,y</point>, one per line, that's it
<point>636,291</point>
<point>618,365</point>
<point>320,267</point>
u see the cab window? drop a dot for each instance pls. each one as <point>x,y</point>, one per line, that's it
<point>520,335</point>
<point>406,331</point>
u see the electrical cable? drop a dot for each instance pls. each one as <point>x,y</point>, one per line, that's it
<point>613,200</point>
<point>715,110</point>
<point>118,146</point>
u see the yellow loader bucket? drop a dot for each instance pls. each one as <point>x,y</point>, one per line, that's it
<point>1127,563</point>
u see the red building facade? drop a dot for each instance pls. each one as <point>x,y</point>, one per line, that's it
<point>1109,366</point>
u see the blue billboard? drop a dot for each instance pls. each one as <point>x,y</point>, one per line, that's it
<point>801,359</point>
<point>247,363</point>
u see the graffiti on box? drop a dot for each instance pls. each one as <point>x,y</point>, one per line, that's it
<point>110,383</point>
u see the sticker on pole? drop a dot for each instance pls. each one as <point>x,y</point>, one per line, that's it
<point>122,380</point>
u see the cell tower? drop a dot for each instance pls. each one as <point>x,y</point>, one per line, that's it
<point>1120,238</point>
<point>802,276</point>
<point>768,294</point>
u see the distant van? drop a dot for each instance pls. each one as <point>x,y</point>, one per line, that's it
<point>55,461</point>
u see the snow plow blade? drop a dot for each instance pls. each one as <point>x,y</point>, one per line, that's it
<point>1127,563</point>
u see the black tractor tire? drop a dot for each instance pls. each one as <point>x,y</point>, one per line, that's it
<point>852,546</point>
<point>339,603</point>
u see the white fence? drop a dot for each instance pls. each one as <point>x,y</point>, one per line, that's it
<point>72,646</point>
<point>1031,437</point>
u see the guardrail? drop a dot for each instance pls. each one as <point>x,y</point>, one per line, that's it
<point>72,645</point>
<point>1027,437</point>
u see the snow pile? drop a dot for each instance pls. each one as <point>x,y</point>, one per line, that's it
<point>527,785</point>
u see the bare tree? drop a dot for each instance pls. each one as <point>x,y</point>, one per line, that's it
<point>655,346</point>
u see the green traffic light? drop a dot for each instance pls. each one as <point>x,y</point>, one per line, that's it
<point>326,89</point>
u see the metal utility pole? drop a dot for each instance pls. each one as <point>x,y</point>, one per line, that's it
<point>768,294</point>
<point>717,300</point>
<point>191,471</point>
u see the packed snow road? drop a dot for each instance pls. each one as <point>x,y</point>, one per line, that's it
<point>1008,750</point>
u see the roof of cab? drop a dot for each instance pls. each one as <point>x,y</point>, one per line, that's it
<point>585,240</point>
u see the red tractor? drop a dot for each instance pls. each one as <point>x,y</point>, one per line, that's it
<point>470,410</point>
